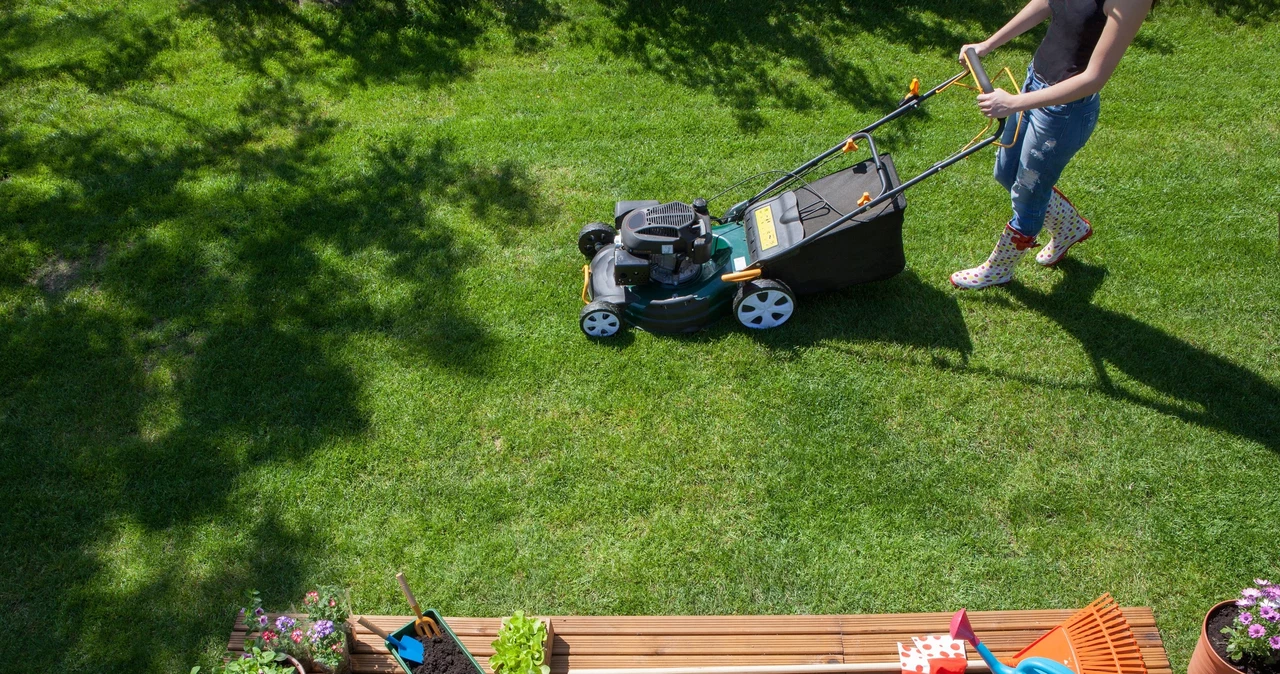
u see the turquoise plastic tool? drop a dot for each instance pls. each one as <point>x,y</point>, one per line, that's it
<point>407,648</point>
<point>961,629</point>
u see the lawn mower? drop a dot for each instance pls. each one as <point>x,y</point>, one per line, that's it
<point>673,267</point>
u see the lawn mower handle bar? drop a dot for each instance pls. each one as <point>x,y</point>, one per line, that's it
<point>907,105</point>
<point>979,73</point>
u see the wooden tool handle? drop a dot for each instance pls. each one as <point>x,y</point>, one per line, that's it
<point>408,594</point>
<point>374,628</point>
<point>830,668</point>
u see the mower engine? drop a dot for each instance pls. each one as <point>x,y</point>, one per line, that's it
<point>664,243</point>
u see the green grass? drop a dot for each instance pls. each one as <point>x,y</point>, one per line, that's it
<point>288,296</point>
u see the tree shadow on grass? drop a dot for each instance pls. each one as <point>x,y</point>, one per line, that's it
<point>1206,390</point>
<point>1246,12</point>
<point>754,53</point>
<point>420,42</point>
<point>750,53</point>
<point>180,306</point>
<point>145,391</point>
<point>118,48</point>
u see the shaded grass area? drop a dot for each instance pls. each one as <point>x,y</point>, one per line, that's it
<point>287,296</point>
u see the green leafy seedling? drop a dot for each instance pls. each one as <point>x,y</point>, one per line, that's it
<point>519,647</point>
<point>253,661</point>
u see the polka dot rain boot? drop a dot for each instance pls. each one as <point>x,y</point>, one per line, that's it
<point>1065,227</point>
<point>998,269</point>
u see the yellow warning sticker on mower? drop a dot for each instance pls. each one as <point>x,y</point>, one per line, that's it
<point>764,225</point>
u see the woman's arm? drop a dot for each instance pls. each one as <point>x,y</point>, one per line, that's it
<point>1124,18</point>
<point>1032,15</point>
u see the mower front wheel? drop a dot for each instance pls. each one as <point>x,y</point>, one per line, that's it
<point>600,320</point>
<point>593,236</point>
<point>764,303</point>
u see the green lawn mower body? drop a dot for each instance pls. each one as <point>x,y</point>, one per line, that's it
<point>668,308</point>
<point>865,249</point>
<point>674,268</point>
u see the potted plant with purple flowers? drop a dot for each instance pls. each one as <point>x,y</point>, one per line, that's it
<point>319,636</point>
<point>329,634</point>
<point>1241,635</point>
<point>254,660</point>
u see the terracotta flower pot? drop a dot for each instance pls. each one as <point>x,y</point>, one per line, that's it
<point>1205,660</point>
<point>295,664</point>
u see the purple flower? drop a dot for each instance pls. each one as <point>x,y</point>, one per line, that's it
<point>1269,613</point>
<point>324,628</point>
<point>1256,631</point>
<point>1251,593</point>
<point>1272,592</point>
<point>1245,618</point>
<point>1245,603</point>
<point>284,623</point>
<point>1275,642</point>
<point>258,611</point>
<point>262,620</point>
<point>1261,582</point>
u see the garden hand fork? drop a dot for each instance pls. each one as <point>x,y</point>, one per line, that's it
<point>423,626</point>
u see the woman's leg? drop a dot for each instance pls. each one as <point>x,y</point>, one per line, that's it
<point>1052,138</point>
<point>1009,156</point>
<point>1048,139</point>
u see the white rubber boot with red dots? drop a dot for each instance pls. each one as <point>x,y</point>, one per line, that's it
<point>1065,227</point>
<point>998,269</point>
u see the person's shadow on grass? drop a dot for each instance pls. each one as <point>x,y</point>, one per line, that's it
<point>1210,391</point>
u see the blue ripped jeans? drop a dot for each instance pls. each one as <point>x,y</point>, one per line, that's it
<point>1046,139</point>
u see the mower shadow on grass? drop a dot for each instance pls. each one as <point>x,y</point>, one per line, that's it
<point>1211,391</point>
<point>901,310</point>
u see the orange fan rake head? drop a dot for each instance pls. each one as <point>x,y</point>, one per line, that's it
<point>1096,640</point>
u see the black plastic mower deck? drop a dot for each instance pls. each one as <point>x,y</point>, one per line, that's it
<point>868,248</point>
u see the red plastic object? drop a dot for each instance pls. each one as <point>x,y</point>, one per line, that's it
<point>947,665</point>
<point>961,629</point>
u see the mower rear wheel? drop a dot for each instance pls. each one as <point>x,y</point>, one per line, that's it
<point>764,303</point>
<point>600,320</point>
<point>593,236</point>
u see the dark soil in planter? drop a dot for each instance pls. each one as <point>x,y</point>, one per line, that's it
<point>1222,617</point>
<point>442,655</point>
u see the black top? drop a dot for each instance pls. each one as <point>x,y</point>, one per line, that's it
<point>1073,33</point>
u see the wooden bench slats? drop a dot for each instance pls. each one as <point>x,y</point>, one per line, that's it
<point>659,645</point>
<point>776,624</point>
<point>561,663</point>
<point>1014,640</point>
<point>644,625</point>
<point>919,623</point>
<point>670,641</point>
<point>695,625</point>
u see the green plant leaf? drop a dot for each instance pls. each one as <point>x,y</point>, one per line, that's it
<point>519,647</point>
